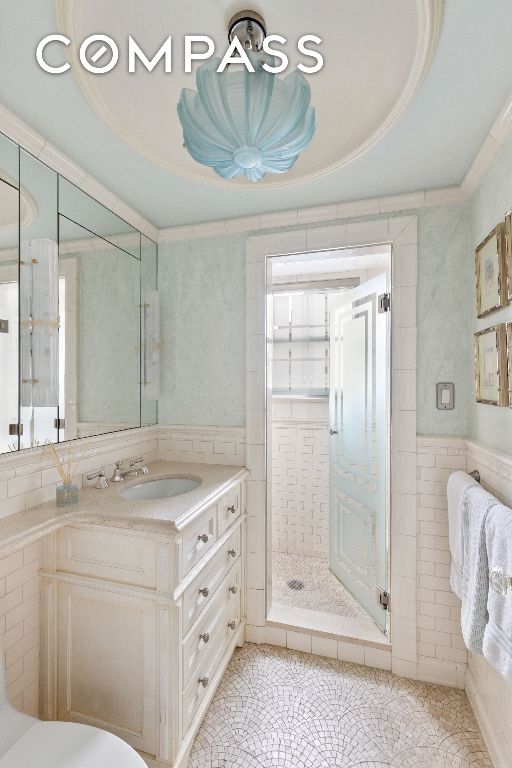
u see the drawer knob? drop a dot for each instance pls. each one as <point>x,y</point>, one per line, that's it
<point>204,636</point>
<point>203,681</point>
<point>203,537</point>
<point>204,591</point>
<point>232,509</point>
<point>232,553</point>
<point>232,624</point>
<point>233,590</point>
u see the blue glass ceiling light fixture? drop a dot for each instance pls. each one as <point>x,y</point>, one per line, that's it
<point>240,122</point>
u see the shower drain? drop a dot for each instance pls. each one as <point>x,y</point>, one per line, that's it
<point>296,584</point>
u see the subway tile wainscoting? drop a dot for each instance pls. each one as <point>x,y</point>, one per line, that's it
<point>20,626</point>
<point>441,654</point>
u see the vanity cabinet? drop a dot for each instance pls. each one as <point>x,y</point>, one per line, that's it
<point>139,626</point>
<point>100,680</point>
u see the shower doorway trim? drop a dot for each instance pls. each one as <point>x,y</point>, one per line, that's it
<point>401,233</point>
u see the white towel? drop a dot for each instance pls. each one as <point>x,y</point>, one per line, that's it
<point>458,483</point>
<point>476,505</point>
<point>497,645</point>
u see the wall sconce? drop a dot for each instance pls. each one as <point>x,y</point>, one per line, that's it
<point>39,323</point>
<point>150,346</point>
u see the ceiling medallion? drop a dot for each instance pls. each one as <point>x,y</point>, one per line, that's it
<point>246,121</point>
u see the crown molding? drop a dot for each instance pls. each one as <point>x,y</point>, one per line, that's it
<point>21,133</point>
<point>498,135</point>
<point>315,215</point>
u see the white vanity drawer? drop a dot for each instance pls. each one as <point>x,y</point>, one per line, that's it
<point>229,508</point>
<point>200,680</point>
<point>198,539</point>
<point>197,596</point>
<point>223,608</point>
<point>117,555</point>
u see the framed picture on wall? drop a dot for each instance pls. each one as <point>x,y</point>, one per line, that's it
<point>509,360</point>
<point>491,376</point>
<point>490,267</point>
<point>508,252</point>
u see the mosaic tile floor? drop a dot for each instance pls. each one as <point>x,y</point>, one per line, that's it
<point>322,591</point>
<point>283,709</point>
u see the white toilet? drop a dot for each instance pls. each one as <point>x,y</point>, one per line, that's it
<point>29,743</point>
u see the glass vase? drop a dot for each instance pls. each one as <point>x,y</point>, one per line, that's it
<point>67,494</point>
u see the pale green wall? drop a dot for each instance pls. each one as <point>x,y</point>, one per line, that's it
<point>202,290</point>
<point>202,285</point>
<point>489,424</point>
<point>442,317</point>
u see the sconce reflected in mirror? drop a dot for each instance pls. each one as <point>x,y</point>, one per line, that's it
<point>150,346</point>
<point>39,323</point>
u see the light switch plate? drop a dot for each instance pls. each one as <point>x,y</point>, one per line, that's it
<point>445,396</point>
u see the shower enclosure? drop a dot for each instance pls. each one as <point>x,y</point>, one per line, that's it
<point>329,431</point>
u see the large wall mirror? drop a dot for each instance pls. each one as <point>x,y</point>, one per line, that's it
<point>79,320</point>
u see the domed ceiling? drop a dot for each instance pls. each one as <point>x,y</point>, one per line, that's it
<point>13,207</point>
<point>376,54</point>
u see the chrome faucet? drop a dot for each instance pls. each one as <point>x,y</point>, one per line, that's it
<point>133,470</point>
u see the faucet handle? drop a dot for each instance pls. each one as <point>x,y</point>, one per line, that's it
<point>144,470</point>
<point>102,480</point>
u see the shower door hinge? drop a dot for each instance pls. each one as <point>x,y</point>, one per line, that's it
<point>59,423</point>
<point>383,598</point>
<point>16,429</point>
<point>384,302</point>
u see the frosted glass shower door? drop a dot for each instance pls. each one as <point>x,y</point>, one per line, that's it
<point>359,442</point>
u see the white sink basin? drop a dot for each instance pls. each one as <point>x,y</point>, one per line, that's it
<point>163,488</point>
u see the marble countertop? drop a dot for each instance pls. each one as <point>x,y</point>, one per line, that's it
<point>107,507</point>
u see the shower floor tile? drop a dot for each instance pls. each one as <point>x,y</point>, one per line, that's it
<point>277,708</point>
<point>322,591</point>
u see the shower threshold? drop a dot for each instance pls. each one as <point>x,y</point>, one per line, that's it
<point>327,624</point>
<point>305,594</point>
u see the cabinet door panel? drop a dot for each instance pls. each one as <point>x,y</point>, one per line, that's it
<point>106,662</point>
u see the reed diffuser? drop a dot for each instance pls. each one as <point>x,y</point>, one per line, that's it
<point>67,493</point>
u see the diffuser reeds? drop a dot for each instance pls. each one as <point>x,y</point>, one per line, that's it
<point>66,469</point>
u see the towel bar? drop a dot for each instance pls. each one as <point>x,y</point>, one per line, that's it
<point>475,474</point>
